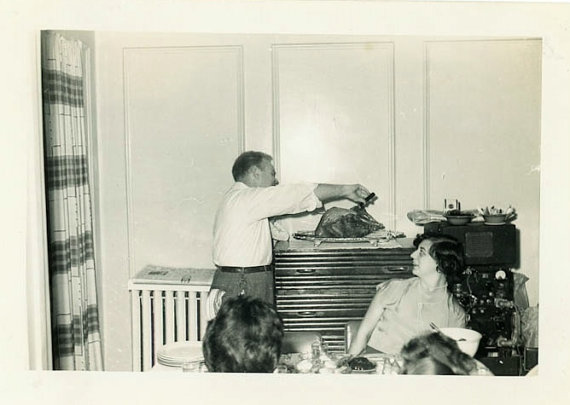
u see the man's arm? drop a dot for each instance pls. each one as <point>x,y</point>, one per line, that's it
<point>354,192</point>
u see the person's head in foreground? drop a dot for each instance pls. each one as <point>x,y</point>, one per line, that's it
<point>244,337</point>
<point>435,353</point>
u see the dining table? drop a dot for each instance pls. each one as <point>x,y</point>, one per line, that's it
<point>334,363</point>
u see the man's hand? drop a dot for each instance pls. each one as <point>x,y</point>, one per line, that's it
<point>357,193</point>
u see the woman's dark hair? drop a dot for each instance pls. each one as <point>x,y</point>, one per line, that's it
<point>448,254</point>
<point>244,337</point>
<point>247,160</point>
<point>427,366</point>
<point>435,353</point>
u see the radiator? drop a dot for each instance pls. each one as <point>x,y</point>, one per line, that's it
<point>165,313</point>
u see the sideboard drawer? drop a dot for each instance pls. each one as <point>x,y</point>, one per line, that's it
<point>353,270</point>
<point>337,284</point>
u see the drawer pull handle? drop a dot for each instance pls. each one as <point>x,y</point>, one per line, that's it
<point>306,271</point>
<point>394,269</point>
<point>307,313</point>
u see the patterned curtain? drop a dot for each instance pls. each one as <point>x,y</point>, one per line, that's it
<point>74,311</point>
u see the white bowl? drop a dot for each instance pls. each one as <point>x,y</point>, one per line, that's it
<point>467,339</point>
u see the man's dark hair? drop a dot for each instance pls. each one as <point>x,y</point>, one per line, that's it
<point>244,337</point>
<point>247,160</point>
<point>448,254</point>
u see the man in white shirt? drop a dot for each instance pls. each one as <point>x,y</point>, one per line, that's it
<point>242,237</point>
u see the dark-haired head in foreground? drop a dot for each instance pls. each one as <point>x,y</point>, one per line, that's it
<point>244,337</point>
<point>435,353</point>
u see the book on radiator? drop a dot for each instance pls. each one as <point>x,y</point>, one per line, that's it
<point>153,274</point>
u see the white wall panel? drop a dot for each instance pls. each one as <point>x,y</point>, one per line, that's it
<point>334,118</point>
<point>184,114</point>
<point>483,131</point>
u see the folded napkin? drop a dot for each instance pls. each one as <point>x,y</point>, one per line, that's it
<point>422,217</point>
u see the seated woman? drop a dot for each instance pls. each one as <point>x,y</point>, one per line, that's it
<point>404,308</point>
<point>435,353</point>
<point>244,337</point>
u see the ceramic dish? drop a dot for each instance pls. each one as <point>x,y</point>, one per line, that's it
<point>498,219</point>
<point>459,219</point>
<point>467,339</point>
<point>177,353</point>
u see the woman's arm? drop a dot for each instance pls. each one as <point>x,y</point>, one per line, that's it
<point>367,325</point>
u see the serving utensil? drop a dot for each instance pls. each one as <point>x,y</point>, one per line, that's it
<point>367,200</point>
<point>434,327</point>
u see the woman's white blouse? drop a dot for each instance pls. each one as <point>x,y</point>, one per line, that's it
<point>408,310</point>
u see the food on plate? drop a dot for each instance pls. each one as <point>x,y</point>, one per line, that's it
<point>361,364</point>
<point>339,222</point>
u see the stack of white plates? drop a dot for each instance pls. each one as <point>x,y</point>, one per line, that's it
<point>178,353</point>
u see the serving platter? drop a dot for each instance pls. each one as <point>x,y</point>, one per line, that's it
<point>373,238</point>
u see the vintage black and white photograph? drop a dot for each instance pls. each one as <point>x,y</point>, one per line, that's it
<point>298,188</point>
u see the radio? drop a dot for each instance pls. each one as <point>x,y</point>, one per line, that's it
<point>487,290</point>
<point>487,295</point>
<point>484,245</point>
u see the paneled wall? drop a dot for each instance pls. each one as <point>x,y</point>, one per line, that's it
<point>334,121</point>
<point>482,132</point>
<point>184,127</point>
<point>414,119</point>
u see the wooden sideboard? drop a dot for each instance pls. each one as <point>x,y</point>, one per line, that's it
<point>321,288</point>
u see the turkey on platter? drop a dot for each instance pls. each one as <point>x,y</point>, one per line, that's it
<point>339,222</point>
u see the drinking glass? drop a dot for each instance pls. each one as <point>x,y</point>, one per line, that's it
<point>191,367</point>
<point>281,369</point>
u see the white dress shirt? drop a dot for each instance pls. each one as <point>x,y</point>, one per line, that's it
<point>242,237</point>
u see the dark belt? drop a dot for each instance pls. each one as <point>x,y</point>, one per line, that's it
<point>245,270</point>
